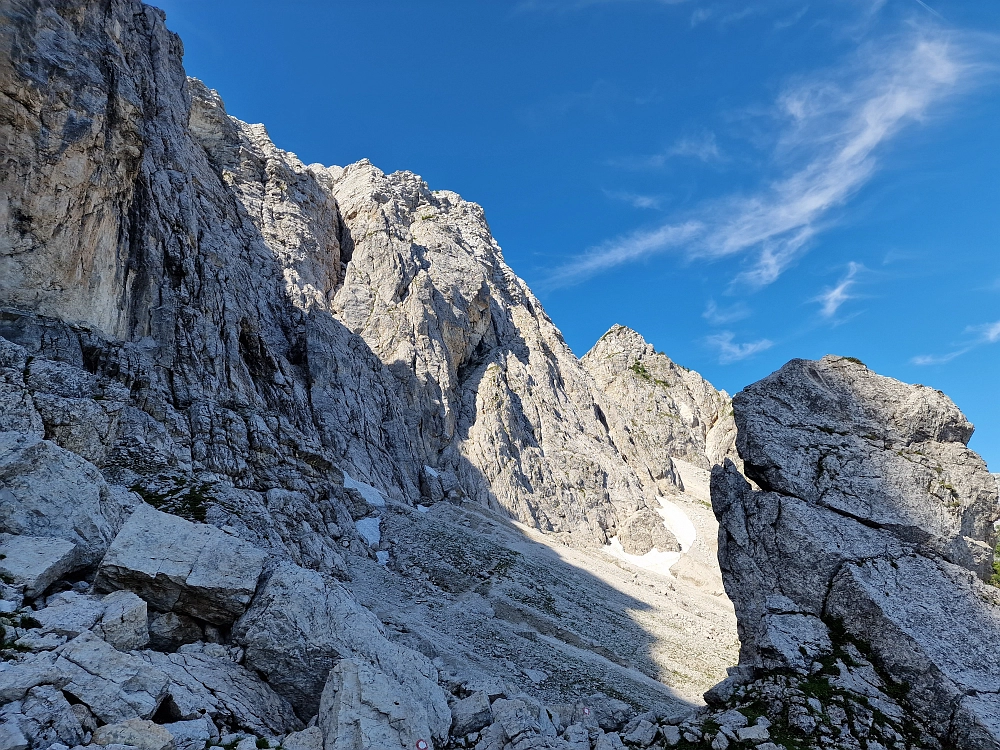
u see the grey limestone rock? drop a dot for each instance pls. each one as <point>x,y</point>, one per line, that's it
<point>177,565</point>
<point>113,685</point>
<point>644,531</point>
<point>664,409</point>
<point>301,624</point>
<point>365,706</point>
<point>310,738</point>
<point>36,562</point>
<point>69,614</point>
<point>50,492</point>
<point>11,736</point>
<point>48,718</point>
<point>470,714</point>
<point>195,734</point>
<point>873,526</point>
<point>138,733</point>
<point>201,684</point>
<point>124,621</point>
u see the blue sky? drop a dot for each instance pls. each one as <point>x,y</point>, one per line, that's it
<point>741,182</point>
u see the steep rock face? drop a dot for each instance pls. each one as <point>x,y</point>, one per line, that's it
<point>487,384</point>
<point>869,536</point>
<point>501,399</point>
<point>666,410</point>
<point>195,363</point>
<point>192,319</point>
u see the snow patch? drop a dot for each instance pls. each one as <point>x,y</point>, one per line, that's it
<point>423,508</point>
<point>368,529</point>
<point>382,557</point>
<point>654,560</point>
<point>371,495</point>
<point>677,523</point>
<point>431,471</point>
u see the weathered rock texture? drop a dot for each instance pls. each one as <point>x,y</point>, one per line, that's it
<point>228,380</point>
<point>861,558</point>
<point>666,410</point>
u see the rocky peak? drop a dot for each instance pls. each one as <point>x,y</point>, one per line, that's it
<point>667,410</point>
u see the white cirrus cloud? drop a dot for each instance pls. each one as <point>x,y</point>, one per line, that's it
<point>721,315</point>
<point>636,200</point>
<point>702,147</point>
<point>981,335</point>
<point>833,127</point>
<point>831,299</point>
<point>729,351</point>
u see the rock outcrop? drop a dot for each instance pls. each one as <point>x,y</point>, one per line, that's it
<point>666,411</point>
<point>859,568</point>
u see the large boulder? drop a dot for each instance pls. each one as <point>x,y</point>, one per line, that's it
<point>113,685</point>
<point>302,623</point>
<point>208,682</point>
<point>362,706</point>
<point>46,491</point>
<point>36,562</point>
<point>180,566</point>
<point>645,531</point>
<point>870,533</point>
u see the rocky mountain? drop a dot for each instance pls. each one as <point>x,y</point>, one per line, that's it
<point>660,404</point>
<point>290,457</point>
<point>285,444</point>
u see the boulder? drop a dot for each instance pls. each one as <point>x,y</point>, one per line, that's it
<point>123,623</point>
<point>870,533</point>
<point>193,735</point>
<point>308,739</point>
<point>69,614</point>
<point>114,686</point>
<point>201,684</point>
<point>302,623</point>
<point>138,733</point>
<point>49,718</point>
<point>470,714</point>
<point>51,492</point>
<point>36,562</point>
<point>644,531</point>
<point>362,706</point>
<point>17,678</point>
<point>180,566</point>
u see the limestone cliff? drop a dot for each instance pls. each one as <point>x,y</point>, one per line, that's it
<point>247,403</point>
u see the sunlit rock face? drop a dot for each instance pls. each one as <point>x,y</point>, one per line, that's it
<point>865,554</point>
<point>266,430</point>
<point>356,316</point>
<point>660,404</point>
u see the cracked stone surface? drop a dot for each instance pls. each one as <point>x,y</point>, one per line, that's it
<point>873,526</point>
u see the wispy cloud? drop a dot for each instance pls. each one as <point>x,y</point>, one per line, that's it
<point>981,335</point>
<point>636,200</point>
<point>639,245</point>
<point>831,299</point>
<point>570,5</point>
<point>834,125</point>
<point>702,147</point>
<point>721,315</point>
<point>730,352</point>
<point>988,333</point>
